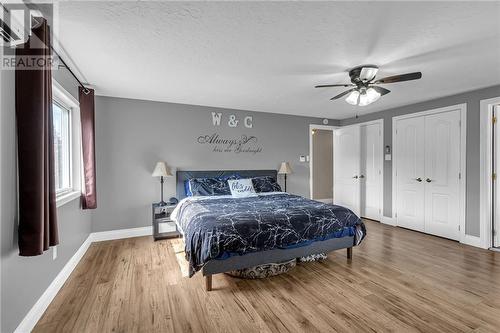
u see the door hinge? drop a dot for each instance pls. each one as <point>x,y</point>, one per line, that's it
<point>494,120</point>
<point>458,228</point>
<point>459,175</point>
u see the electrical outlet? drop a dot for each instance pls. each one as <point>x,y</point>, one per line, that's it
<point>54,252</point>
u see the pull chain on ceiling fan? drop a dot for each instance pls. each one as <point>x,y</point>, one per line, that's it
<point>365,90</point>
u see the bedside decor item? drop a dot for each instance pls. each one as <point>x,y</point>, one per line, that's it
<point>285,169</point>
<point>161,170</point>
<point>173,201</point>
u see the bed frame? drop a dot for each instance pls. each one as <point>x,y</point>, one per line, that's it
<point>264,257</point>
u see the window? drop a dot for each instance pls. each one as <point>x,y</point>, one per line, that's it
<point>62,147</point>
<point>67,151</point>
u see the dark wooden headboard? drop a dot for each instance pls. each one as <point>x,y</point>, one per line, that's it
<point>182,176</point>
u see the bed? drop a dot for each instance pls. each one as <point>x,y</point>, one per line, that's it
<point>223,233</point>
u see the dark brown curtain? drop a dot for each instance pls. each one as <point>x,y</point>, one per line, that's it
<point>37,199</point>
<point>89,197</point>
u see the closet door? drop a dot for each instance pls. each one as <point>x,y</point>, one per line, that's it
<point>442,168</point>
<point>371,171</point>
<point>346,168</point>
<point>410,188</point>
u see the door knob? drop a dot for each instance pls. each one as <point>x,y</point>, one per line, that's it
<point>355,177</point>
<point>362,176</point>
<point>428,180</point>
<point>418,179</point>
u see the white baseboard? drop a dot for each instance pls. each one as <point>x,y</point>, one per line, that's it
<point>120,233</point>
<point>36,312</point>
<point>388,220</point>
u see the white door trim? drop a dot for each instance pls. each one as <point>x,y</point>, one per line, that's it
<point>320,127</point>
<point>485,131</point>
<point>463,180</point>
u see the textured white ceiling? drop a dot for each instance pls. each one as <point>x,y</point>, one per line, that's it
<point>268,56</point>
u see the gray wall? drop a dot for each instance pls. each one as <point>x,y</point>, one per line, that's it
<point>323,164</point>
<point>472,99</point>
<point>132,135</point>
<point>24,279</point>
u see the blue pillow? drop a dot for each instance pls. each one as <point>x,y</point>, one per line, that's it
<point>187,190</point>
<point>208,186</point>
<point>265,184</point>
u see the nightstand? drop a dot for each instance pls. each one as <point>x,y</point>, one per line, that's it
<point>163,226</point>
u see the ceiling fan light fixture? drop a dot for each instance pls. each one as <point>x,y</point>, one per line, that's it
<point>352,98</point>
<point>368,73</point>
<point>372,95</point>
<point>363,99</point>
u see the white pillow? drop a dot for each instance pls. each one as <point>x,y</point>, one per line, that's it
<point>241,188</point>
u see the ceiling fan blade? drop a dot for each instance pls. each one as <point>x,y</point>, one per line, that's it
<point>342,94</point>
<point>400,78</point>
<point>334,85</point>
<point>381,91</point>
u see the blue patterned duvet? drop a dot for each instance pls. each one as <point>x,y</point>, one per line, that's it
<point>221,226</point>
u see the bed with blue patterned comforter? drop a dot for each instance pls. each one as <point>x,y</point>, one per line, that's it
<point>216,227</point>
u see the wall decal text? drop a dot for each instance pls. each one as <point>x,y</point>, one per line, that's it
<point>241,144</point>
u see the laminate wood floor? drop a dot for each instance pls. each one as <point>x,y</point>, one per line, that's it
<point>398,281</point>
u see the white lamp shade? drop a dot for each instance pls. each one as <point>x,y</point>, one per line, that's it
<point>353,97</point>
<point>161,170</point>
<point>285,169</point>
<point>372,94</point>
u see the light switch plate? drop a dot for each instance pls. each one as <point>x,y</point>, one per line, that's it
<point>387,157</point>
<point>302,158</point>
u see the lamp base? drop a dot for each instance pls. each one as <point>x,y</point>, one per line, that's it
<point>162,203</point>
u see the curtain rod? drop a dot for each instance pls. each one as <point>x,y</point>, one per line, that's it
<point>85,89</point>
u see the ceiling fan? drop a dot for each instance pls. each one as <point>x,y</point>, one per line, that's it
<point>365,90</point>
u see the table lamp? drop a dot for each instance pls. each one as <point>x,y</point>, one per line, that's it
<point>161,170</point>
<point>285,169</point>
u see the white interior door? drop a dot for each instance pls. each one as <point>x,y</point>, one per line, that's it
<point>410,188</point>
<point>442,174</point>
<point>346,185</point>
<point>371,171</point>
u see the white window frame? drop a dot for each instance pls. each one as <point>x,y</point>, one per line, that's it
<point>66,100</point>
